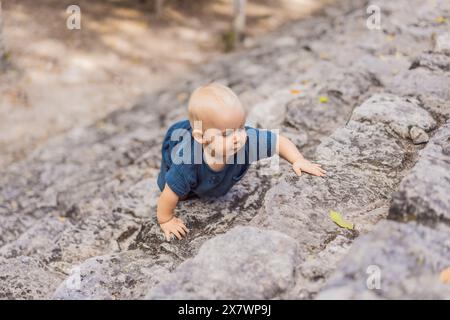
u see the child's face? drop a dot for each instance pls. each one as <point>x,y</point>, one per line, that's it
<point>224,142</point>
<point>221,127</point>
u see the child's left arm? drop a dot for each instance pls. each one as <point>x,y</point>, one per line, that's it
<point>288,151</point>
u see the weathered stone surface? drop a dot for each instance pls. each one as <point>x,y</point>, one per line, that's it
<point>60,242</point>
<point>125,275</point>
<point>424,194</point>
<point>399,114</point>
<point>24,277</point>
<point>440,108</point>
<point>421,81</point>
<point>418,135</point>
<point>365,161</point>
<point>86,201</point>
<point>432,61</point>
<point>442,43</point>
<point>364,164</point>
<point>149,251</point>
<point>261,262</point>
<point>271,112</point>
<point>37,239</point>
<point>409,258</point>
<point>342,90</point>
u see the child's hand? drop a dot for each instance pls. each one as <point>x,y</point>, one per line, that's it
<point>311,168</point>
<point>174,226</point>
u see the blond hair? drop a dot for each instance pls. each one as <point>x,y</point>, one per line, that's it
<point>218,95</point>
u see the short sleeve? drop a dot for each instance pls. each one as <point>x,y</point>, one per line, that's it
<point>262,143</point>
<point>179,179</point>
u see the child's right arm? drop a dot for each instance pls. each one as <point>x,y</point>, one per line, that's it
<point>167,221</point>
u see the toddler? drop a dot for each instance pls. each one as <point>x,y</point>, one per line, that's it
<point>205,155</point>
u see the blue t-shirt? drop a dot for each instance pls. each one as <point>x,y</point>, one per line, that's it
<point>188,174</point>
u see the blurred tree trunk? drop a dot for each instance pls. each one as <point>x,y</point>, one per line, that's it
<point>239,21</point>
<point>2,46</point>
<point>159,7</point>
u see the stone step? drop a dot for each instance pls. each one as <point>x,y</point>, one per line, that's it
<point>410,253</point>
<point>365,161</point>
<point>78,209</point>
<point>344,89</point>
<point>244,263</point>
<point>394,261</point>
<point>61,175</point>
<point>80,201</point>
<point>205,220</point>
<point>423,194</point>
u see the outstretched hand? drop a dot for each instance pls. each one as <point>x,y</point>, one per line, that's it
<point>174,226</point>
<point>308,167</point>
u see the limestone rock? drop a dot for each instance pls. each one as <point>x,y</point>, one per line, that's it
<point>432,61</point>
<point>395,261</point>
<point>24,277</point>
<point>244,263</point>
<point>421,81</point>
<point>270,113</point>
<point>84,203</point>
<point>399,114</point>
<point>418,135</point>
<point>442,43</point>
<point>127,275</point>
<point>423,193</point>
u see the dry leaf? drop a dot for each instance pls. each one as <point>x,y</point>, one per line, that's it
<point>341,222</point>
<point>441,19</point>
<point>323,99</point>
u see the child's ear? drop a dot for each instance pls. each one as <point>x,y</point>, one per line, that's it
<point>198,136</point>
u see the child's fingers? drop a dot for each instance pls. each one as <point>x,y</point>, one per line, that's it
<point>181,230</point>
<point>321,171</point>
<point>317,172</point>
<point>177,234</point>
<point>184,227</point>
<point>318,168</point>
<point>181,223</point>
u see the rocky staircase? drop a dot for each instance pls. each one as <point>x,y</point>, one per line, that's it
<point>77,218</point>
